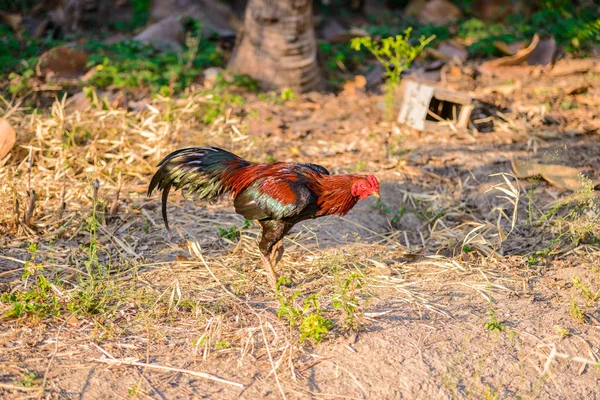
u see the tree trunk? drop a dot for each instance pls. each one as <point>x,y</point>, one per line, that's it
<point>277,45</point>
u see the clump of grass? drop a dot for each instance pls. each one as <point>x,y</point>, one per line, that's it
<point>566,224</point>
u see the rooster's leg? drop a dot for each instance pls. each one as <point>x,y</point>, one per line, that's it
<point>271,246</point>
<point>277,253</point>
<point>271,275</point>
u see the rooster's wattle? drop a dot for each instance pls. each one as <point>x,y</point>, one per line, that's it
<point>278,194</point>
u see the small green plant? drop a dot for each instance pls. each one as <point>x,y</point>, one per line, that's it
<point>230,234</point>
<point>308,318</point>
<point>288,94</point>
<point>361,166</point>
<point>233,233</point>
<point>533,260</point>
<point>314,326</point>
<point>576,312</point>
<point>585,290</point>
<point>36,300</point>
<point>347,301</point>
<point>222,345</point>
<point>562,332</point>
<point>135,391</point>
<point>28,379</point>
<point>493,324</point>
<point>395,54</point>
<point>490,394</point>
<point>384,209</point>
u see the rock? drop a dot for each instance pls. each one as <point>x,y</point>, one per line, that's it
<point>166,34</point>
<point>78,102</point>
<point>436,12</point>
<point>491,10</point>
<point>453,50</point>
<point>216,17</point>
<point>332,29</point>
<point>62,61</point>
<point>8,138</point>
<point>543,54</point>
<point>211,75</point>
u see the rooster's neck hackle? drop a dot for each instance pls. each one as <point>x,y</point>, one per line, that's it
<point>335,194</point>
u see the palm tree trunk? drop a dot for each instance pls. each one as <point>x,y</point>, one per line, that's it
<point>277,46</point>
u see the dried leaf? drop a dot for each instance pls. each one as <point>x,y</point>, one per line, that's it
<point>73,320</point>
<point>519,59</point>
<point>563,177</point>
<point>560,176</point>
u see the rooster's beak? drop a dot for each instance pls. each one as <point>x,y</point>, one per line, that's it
<point>376,194</point>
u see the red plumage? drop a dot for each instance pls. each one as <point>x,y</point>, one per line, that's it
<point>278,194</point>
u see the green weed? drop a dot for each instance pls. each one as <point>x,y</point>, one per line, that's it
<point>395,54</point>
<point>585,290</point>
<point>28,379</point>
<point>576,312</point>
<point>562,332</point>
<point>222,345</point>
<point>493,324</point>
<point>308,318</point>
<point>384,209</point>
<point>233,233</point>
<point>286,94</point>
<point>36,300</point>
<point>347,301</point>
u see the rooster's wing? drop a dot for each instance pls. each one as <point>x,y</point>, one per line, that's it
<point>281,196</point>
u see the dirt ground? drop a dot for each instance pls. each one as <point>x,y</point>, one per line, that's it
<point>454,301</point>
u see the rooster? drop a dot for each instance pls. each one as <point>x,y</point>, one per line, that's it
<point>277,194</point>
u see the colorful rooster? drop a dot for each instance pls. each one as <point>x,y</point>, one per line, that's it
<point>278,194</point>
